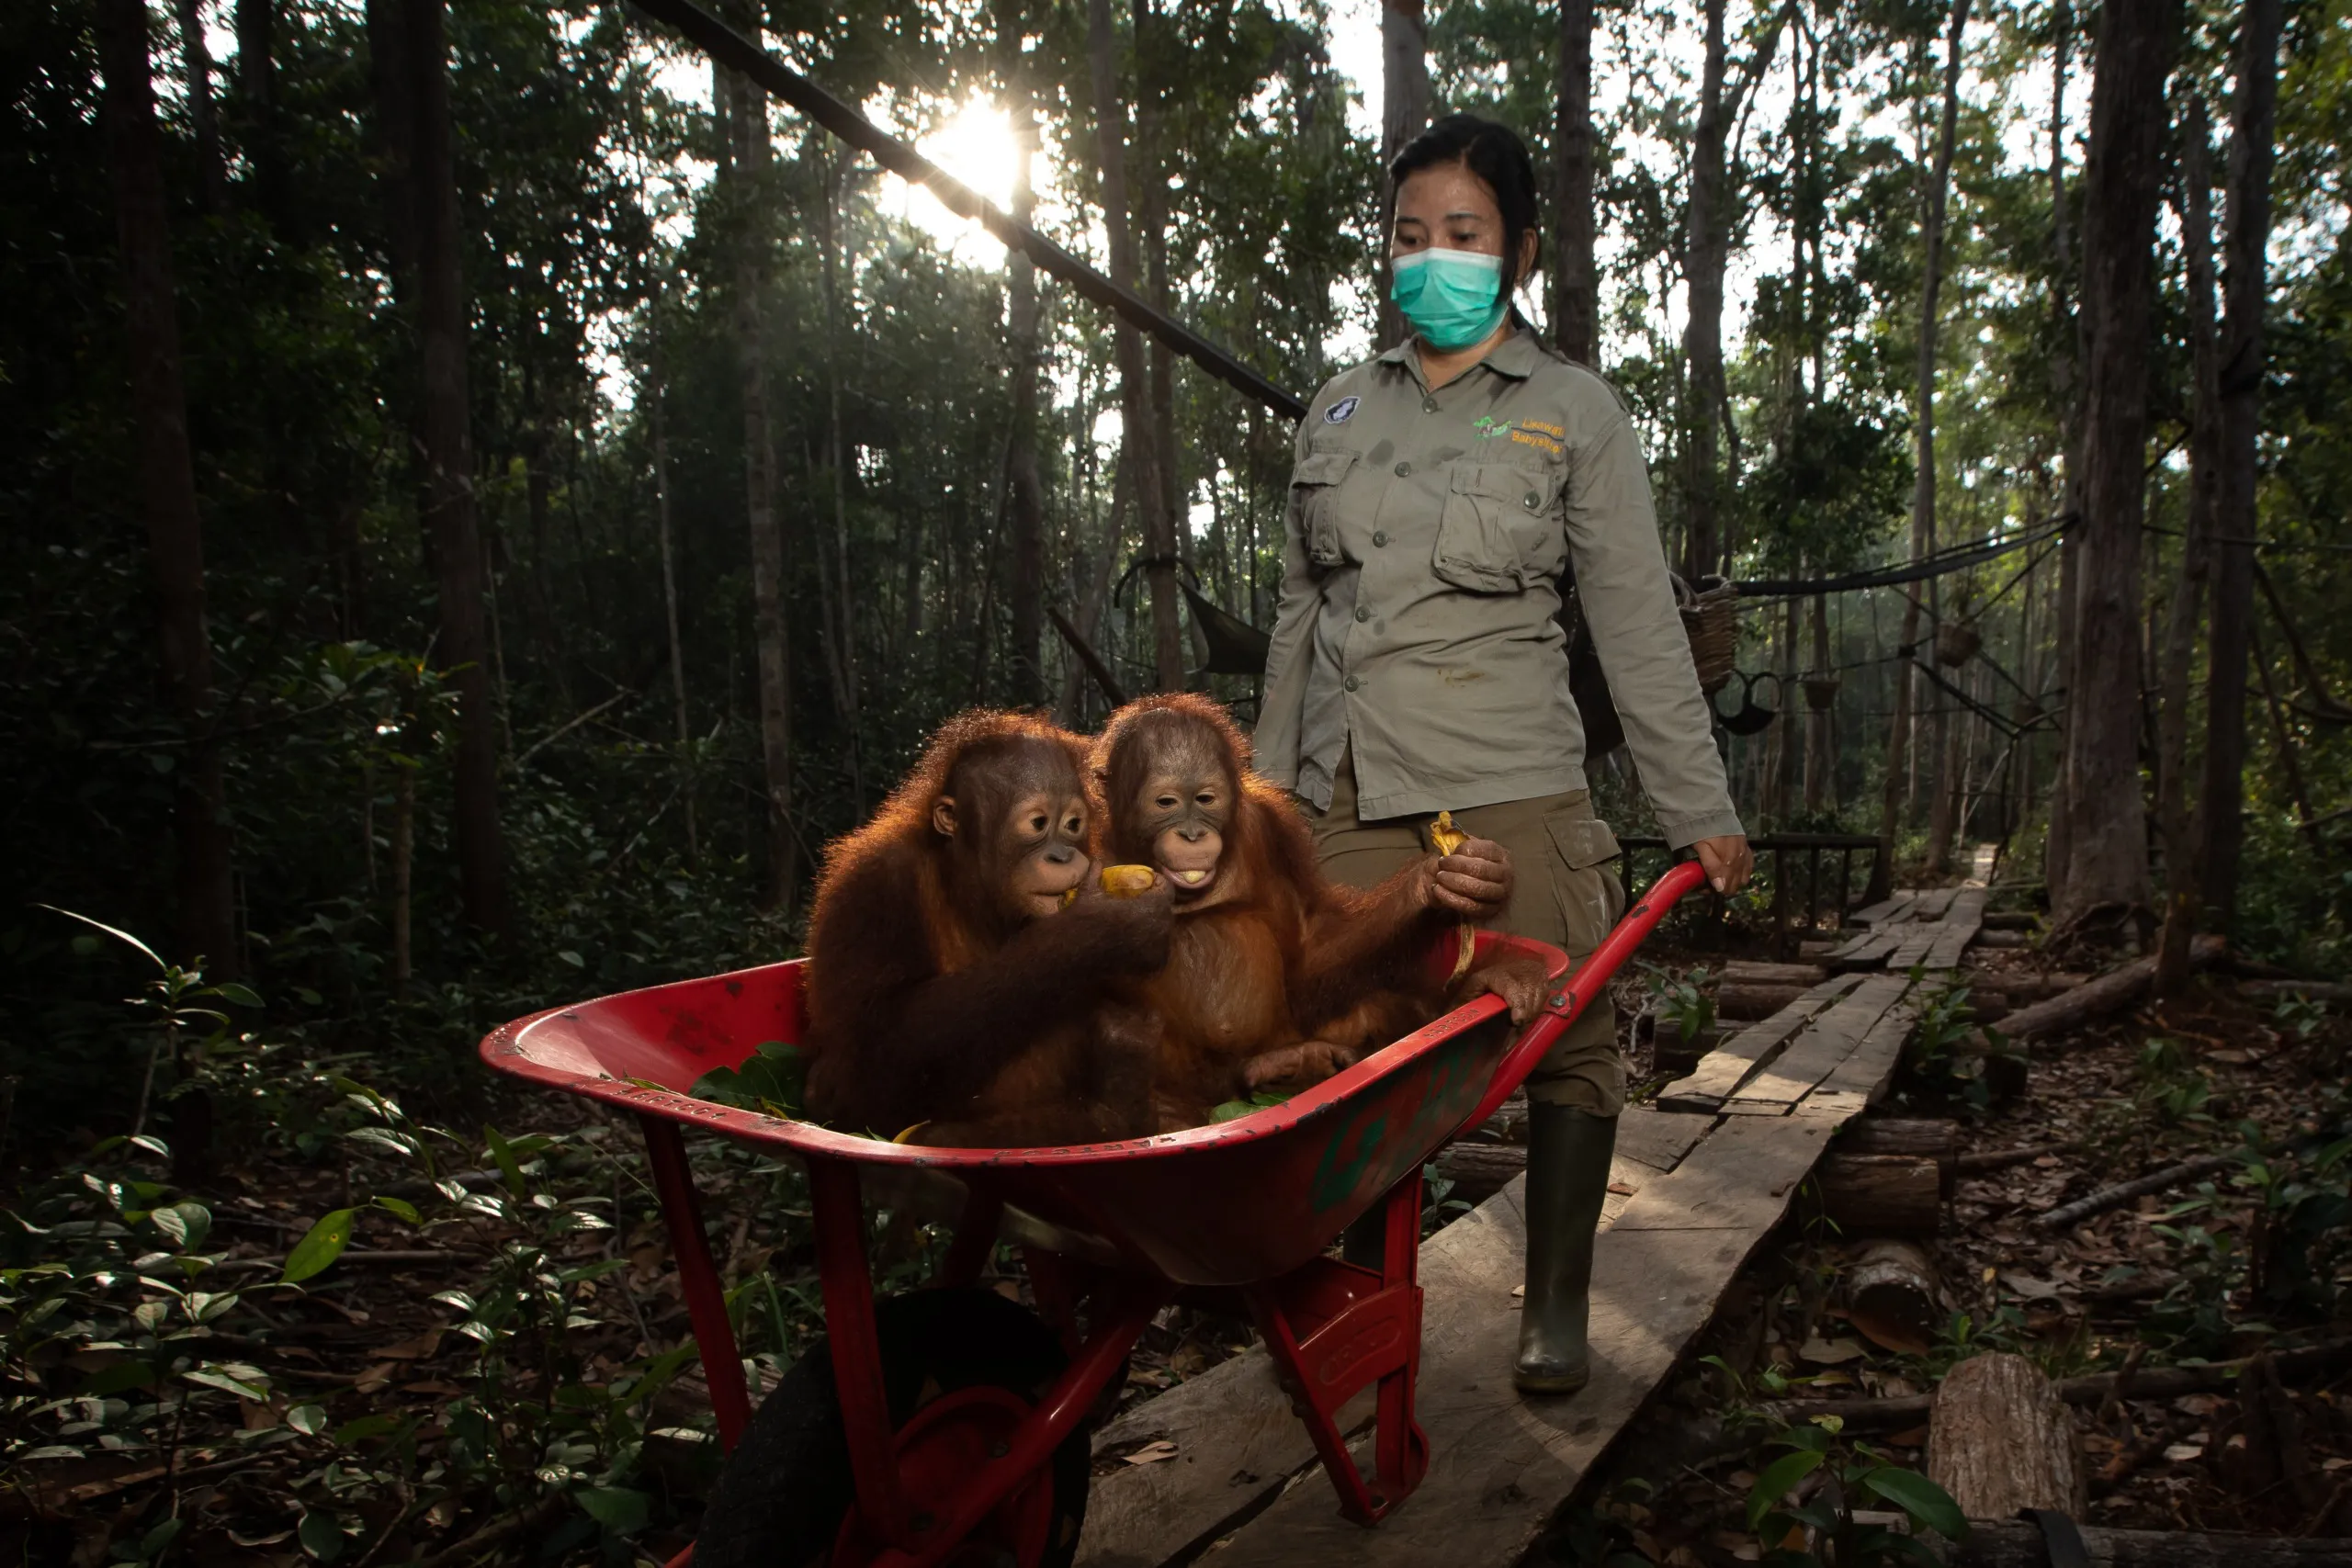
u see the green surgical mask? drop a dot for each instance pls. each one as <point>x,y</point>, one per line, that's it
<point>1452,299</point>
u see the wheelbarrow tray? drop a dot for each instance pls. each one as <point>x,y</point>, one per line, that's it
<point>1223,1204</point>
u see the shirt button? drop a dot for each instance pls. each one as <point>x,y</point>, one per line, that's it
<point>1404,469</point>
<point>1350,682</point>
<point>1380,540</point>
<point>1429,405</point>
<point>1362,615</point>
<point>1532,501</point>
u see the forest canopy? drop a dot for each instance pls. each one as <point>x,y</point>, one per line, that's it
<point>491,496</point>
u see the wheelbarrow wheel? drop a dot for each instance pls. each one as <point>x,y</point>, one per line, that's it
<point>782,1497</point>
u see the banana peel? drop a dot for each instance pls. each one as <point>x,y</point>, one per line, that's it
<point>1446,838</point>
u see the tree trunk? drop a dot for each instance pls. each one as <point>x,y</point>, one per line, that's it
<point>1404,114</point>
<point>451,525</point>
<point>2103,890</point>
<point>1135,391</point>
<point>1923,425</point>
<point>2188,590</point>
<point>1026,661</point>
<point>196,64</point>
<point>838,595</point>
<point>746,111</point>
<point>404,870</point>
<point>258,80</point>
<point>1820,742</point>
<point>2245,285</point>
<point>1152,211</point>
<point>2000,1439</point>
<point>1576,278</point>
<point>2064,395</point>
<point>204,887</point>
<point>657,394</point>
<point>1708,242</point>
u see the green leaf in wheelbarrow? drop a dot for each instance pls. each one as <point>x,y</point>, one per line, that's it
<point>322,1246</point>
<point>771,1079</point>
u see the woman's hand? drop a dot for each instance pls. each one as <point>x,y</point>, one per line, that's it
<point>1727,862</point>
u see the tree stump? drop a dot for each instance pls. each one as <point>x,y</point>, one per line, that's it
<point>1999,1439</point>
<point>1882,1195</point>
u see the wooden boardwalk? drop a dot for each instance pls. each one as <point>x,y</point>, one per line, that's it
<point>1921,930</point>
<point>1711,1170</point>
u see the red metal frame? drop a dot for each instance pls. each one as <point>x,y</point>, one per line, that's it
<point>1308,1168</point>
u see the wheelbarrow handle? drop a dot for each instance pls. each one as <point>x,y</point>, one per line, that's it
<point>1585,981</point>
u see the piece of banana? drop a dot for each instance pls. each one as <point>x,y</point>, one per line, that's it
<point>1118,882</point>
<point>1444,837</point>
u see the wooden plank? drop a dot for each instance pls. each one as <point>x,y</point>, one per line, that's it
<point>1821,1049</point>
<point>1884,909</point>
<point>1960,926</point>
<point>1659,1138</point>
<point>1932,903</point>
<point>1722,1070</point>
<point>1862,1078</point>
<point>1912,951</point>
<point>1500,1464</point>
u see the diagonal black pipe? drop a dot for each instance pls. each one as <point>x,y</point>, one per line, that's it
<point>739,54</point>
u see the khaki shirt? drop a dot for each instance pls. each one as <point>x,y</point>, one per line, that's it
<point>1427,533</point>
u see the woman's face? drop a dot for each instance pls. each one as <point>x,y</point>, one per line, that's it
<point>1447,206</point>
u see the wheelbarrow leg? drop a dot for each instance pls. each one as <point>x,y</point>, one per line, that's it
<point>856,1348</point>
<point>722,1367</point>
<point>1360,1326</point>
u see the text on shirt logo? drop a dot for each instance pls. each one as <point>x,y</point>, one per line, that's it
<point>1541,442</point>
<point>1340,411</point>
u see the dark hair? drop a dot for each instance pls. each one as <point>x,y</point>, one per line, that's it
<point>1494,152</point>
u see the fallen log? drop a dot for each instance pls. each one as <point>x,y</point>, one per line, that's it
<point>1754,972</point>
<point>2000,1439</point>
<point>2012,920</point>
<point>2111,992</point>
<point>1478,1171</point>
<point>2003,938</point>
<point>1926,1137</point>
<point>1893,1298</point>
<point>2122,1193</point>
<point>1876,1195</point>
<point>2008,1543</point>
<point>1982,1160</point>
<point>2334,991</point>
<point>2310,1366</point>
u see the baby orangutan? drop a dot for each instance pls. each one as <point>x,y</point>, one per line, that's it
<point>1274,973</point>
<point>949,987</point>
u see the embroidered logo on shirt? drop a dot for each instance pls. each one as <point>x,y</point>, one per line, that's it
<point>1541,442</point>
<point>1341,410</point>
<point>1554,431</point>
<point>1489,427</point>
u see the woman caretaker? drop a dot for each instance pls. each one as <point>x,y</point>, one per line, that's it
<point>1439,493</point>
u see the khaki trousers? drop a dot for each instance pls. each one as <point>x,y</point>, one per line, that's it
<point>1562,894</point>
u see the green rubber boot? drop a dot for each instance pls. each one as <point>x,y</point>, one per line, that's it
<point>1567,1180</point>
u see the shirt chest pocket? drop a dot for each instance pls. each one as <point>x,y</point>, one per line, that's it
<point>1314,491</point>
<point>1500,530</point>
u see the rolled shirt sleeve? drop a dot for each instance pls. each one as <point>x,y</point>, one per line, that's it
<point>1629,603</point>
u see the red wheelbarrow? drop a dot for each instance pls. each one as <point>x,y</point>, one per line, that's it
<point>937,1426</point>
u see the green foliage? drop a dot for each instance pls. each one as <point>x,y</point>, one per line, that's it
<point>772,1079</point>
<point>1683,1001</point>
<point>1821,1531</point>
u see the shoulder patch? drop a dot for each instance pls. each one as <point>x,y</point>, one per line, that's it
<point>1342,412</point>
